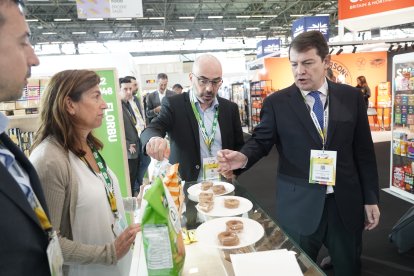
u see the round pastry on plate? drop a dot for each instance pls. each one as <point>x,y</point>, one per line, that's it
<point>205,197</point>
<point>228,238</point>
<point>218,189</point>
<point>205,185</point>
<point>231,203</point>
<point>234,225</point>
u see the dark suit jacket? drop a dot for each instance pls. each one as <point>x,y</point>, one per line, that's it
<point>153,101</point>
<point>286,123</point>
<point>131,133</point>
<point>177,119</point>
<point>23,242</point>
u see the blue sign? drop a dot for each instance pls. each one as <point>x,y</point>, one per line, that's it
<point>268,47</point>
<point>311,23</point>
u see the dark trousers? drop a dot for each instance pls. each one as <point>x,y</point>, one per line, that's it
<point>344,247</point>
<point>144,161</point>
<point>133,173</point>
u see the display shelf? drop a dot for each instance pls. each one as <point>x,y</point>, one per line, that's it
<point>259,90</point>
<point>402,126</point>
<point>239,96</point>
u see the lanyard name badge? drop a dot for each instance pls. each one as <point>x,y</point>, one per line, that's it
<point>53,251</point>
<point>210,164</point>
<point>322,162</point>
<point>119,224</point>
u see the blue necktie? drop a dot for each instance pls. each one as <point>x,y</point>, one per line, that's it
<point>317,107</point>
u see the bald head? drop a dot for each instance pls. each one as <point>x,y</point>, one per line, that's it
<point>208,66</point>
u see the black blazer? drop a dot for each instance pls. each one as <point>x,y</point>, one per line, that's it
<point>177,119</point>
<point>23,242</point>
<point>131,133</point>
<point>152,101</point>
<point>286,123</point>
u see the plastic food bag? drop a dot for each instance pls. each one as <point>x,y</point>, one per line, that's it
<point>161,227</point>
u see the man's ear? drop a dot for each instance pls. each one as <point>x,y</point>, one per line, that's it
<point>327,61</point>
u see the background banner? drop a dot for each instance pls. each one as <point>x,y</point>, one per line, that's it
<point>311,23</point>
<point>111,132</point>
<point>109,8</point>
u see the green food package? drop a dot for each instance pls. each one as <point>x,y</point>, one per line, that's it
<point>161,230</point>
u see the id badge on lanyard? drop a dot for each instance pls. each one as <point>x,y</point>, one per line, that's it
<point>322,167</point>
<point>119,225</point>
<point>210,168</point>
<point>54,255</point>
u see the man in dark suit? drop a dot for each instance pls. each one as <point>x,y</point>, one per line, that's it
<point>23,237</point>
<point>198,123</point>
<point>133,144</point>
<point>154,99</point>
<point>327,173</point>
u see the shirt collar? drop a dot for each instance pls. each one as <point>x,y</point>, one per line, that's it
<point>323,89</point>
<point>4,122</point>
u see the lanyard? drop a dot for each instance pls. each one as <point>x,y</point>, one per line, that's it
<point>39,211</point>
<point>208,139</point>
<point>109,187</point>
<point>322,132</point>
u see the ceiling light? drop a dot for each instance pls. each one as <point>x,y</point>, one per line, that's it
<point>105,32</point>
<point>262,22</point>
<point>132,31</point>
<point>230,29</point>
<point>49,33</point>
<point>270,16</point>
<point>252,28</point>
<point>78,33</point>
<point>32,20</point>
<point>276,27</point>
<point>186,17</point>
<point>208,29</point>
<point>331,51</point>
<point>322,14</point>
<point>354,50</point>
<point>182,30</point>
<point>340,51</point>
<point>299,15</point>
<point>157,18</point>
<point>398,48</point>
<point>94,19</point>
<point>123,18</point>
<point>157,31</point>
<point>242,16</point>
<point>150,10</point>
<point>390,48</point>
<point>215,17</point>
<point>62,19</point>
<point>257,16</point>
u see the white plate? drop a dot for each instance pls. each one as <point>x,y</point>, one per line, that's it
<point>195,190</point>
<point>207,232</point>
<point>220,211</point>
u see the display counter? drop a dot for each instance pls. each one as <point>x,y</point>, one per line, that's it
<point>201,260</point>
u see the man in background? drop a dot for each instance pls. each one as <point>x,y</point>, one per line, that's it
<point>327,180</point>
<point>198,124</point>
<point>24,233</point>
<point>177,88</point>
<point>131,134</point>
<point>136,103</point>
<point>154,99</point>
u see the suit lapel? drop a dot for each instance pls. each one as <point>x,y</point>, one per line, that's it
<point>222,120</point>
<point>12,189</point>
<point>335,100</point>
<point>193,121</point>
<point>300,109</point>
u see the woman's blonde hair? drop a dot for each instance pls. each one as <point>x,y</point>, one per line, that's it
<point>55,120</point>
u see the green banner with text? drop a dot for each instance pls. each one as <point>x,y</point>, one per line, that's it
<point>111,132</point>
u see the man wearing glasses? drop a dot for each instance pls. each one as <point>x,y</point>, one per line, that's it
<point>198,123</point>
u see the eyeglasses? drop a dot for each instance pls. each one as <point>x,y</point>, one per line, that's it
<point>204,81</point>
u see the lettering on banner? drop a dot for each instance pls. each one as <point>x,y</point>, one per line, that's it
<point>110,123</point>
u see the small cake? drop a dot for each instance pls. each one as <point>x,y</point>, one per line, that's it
<point>205,185</point>
<point>218,189</point>
<point>228,238</point>
<point>234,225</point>
<point>205,197</point>
<point>231,203</point>
<point>206,206</point>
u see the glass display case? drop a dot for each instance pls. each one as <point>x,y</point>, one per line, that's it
<point>402,146</point>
